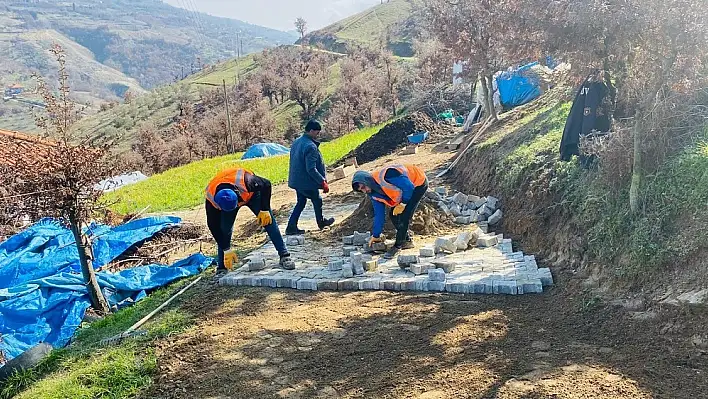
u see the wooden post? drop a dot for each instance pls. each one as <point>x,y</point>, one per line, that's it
<point>228,120</point>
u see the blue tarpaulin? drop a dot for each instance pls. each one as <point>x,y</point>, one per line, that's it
<point>519,86</point>
<point>42,294</point>
<point>263,150</point>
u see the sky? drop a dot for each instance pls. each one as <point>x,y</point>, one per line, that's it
<point>279,14</point>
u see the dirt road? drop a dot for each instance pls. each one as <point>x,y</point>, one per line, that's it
<point>267,343</point>
<point>260,343</point>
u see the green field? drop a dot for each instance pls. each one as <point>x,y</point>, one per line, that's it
<point>183,187</point>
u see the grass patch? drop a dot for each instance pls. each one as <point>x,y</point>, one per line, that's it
<point>183,187</point>
<point>88,370</point>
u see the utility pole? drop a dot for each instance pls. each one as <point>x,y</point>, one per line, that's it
<point>228,120</point>
<point>238,56</point>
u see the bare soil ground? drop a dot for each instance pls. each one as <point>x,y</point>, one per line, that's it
<point>267,343</point>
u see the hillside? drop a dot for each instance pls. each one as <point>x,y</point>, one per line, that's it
<point>160,106</point>
<point>393,22</point>
<point>114,46</point>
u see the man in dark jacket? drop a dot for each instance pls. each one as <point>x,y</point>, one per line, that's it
<point>307,176</point>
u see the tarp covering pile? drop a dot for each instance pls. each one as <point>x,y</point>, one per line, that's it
<point>518,86</point>
<point>264,150</point>
<point>42,294</point>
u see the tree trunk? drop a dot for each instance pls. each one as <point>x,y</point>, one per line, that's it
<point>488,102</point>
<point>490,82</point>
<point>636,165</point>
<point>83,246</point>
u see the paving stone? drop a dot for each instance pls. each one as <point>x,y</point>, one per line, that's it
<point>445,245</point>
<point>408,284</point>
<point>531,266</point>
<point>436,286</point>
<point>468,213</point>
<point>484,226</point>
<point>436,275</point>
<point>546,277</point>
<point>348,240</point>
<point>348,249</point>
<point>307,284</point>
<point>286,281</point>
<point>478,204</point>
<point>455,210</point>
<point>484,211</point>
<point>405,260</point>
<point>442,191</point>
<point>270,281</point>
<point>361,238</point>
<point>462,220</point>
<point>433,196</point>
<point>371,265</point>
<point>482,286</point>
<point>358,269</point>
<point>464,240</point>
<point>427,252</point>
<point>295,240</point>
<point>444,208</point>
<point>421,268</point>
<point>495,217</point>
<point>445,265</point>
<point>421,283</point>
<point>256,263</point>
<point>486,241</point>
<point>507,287</point>
<point>327,284</point>
<point>391,284</point>
<point>347,270</point>
<point>335,265</point>
<point>530,286</point>
<point>348,284</point>
<point>460,199</point>
<point>458,287</point>
<point>379,247</point>
<point>492,203</point>
<point>370,284</point>
<point>472,200</point>
<point>256,281</point>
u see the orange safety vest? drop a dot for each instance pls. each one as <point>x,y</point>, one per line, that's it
<point>412,172</point>
<point>237,178</point>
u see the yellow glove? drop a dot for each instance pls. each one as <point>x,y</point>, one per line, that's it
<point>264,218</point>
<point>230,259</point>
<point>399,209</point>
<point>373,240</point>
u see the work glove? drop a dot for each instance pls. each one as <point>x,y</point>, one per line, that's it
<point>264,218</point>
<point>325,187</point>
<point>398,209</point>
<point>374,240</point>
<point>230,259</point>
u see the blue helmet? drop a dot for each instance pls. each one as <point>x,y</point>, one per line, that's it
<point>226,199</point>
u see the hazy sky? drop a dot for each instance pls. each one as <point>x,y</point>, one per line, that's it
<point>279,14</point>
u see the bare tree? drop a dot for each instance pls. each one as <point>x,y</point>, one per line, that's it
<point>301,26</point>
<point>61,183</point>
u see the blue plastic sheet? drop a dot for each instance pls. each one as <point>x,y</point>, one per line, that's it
<point>263,150</point>
<point>519,86</point>
<point>47,298</point>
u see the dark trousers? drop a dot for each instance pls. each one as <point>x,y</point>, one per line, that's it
<point>302,197</point>
<point>403,221</point>
<point>221,226</point>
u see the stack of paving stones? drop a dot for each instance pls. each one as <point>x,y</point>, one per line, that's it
<point>472,262</point>
<point>467,209</point>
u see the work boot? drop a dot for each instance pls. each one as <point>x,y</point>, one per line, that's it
<point>220,272</point>
<point>392,253</point>
<point>286,262</point>
<point>294,232</point>
<point>408,245</point>
<point>325,223</point>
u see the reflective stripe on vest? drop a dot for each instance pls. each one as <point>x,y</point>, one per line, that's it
<point>412,172</point>
<point>235,177</point>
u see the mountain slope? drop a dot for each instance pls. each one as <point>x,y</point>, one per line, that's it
<point>393,23</point>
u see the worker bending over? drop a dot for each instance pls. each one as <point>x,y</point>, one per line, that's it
<point>400,187</point>
<point>226,193</point>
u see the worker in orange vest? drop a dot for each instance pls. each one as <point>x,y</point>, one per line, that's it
<point>400,187</point>
<point>226,193</point>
